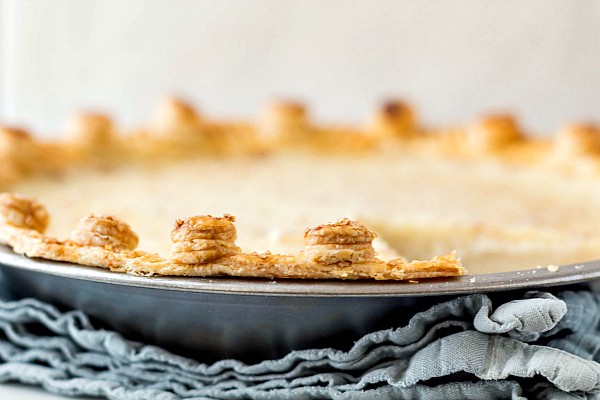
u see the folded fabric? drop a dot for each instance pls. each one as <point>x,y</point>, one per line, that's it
<point>534,346</point>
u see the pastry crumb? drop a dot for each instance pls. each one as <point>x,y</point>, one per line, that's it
<point>552,268</point>
<point>413,281</point>
<point>472,280</point>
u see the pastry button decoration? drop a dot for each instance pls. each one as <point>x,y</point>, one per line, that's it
<point>345,241</point>
<point>104,231</point>
<point>203,239</point>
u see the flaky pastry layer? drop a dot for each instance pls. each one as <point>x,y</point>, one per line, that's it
<point>205,246</point>
<point>103,241</point>
<point>178,130</point>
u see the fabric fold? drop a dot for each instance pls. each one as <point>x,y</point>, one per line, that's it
<point>534,346</point>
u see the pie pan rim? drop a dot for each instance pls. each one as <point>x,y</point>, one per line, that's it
<point>466,284</point>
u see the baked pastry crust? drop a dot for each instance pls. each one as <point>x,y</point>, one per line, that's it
<point>205,245</point>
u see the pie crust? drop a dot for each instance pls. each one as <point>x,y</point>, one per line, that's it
<point>206,246</point>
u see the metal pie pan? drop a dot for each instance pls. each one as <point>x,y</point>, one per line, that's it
<point>252,319</point>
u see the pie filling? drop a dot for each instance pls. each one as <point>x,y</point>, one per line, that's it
<point>488,193</point>
<point>496,217</point>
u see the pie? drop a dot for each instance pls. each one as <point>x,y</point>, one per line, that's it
<point>282,197</point>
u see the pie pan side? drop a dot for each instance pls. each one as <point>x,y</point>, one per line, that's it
<point>251,319</point>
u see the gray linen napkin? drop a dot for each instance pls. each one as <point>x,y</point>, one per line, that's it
<point>535,346</point>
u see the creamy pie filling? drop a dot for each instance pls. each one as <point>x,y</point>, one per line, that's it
<point>496,216</point>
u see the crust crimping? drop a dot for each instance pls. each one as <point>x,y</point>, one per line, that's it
<point>577,140</point>
<point>342,242</point>
<point>22,212</point>
<point>104,231</point>
<point>91,130</point>
<point>494,132</point>
<point>395,118</point>
<point>203,239</point>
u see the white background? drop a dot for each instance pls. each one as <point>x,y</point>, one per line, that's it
<point>453,59</point>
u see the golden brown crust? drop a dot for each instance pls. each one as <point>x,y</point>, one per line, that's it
<point>494,132</point>
<point>577,140</point>
<point>285,114</point>
<point>204,227</point>
<point>201,239</point>
<point>9,173</point>
<point>13,136</point>
<point>175,118</point>
<point>394,118</point>
<point>177,129</point>
<point>18,150</point>
<point>205,246</point>
<point>341,242</point>
<point>91,130</point>
<point>21,212</point>
<point>284,122</point>
<point>104,231</point>
<point>342,232</point>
